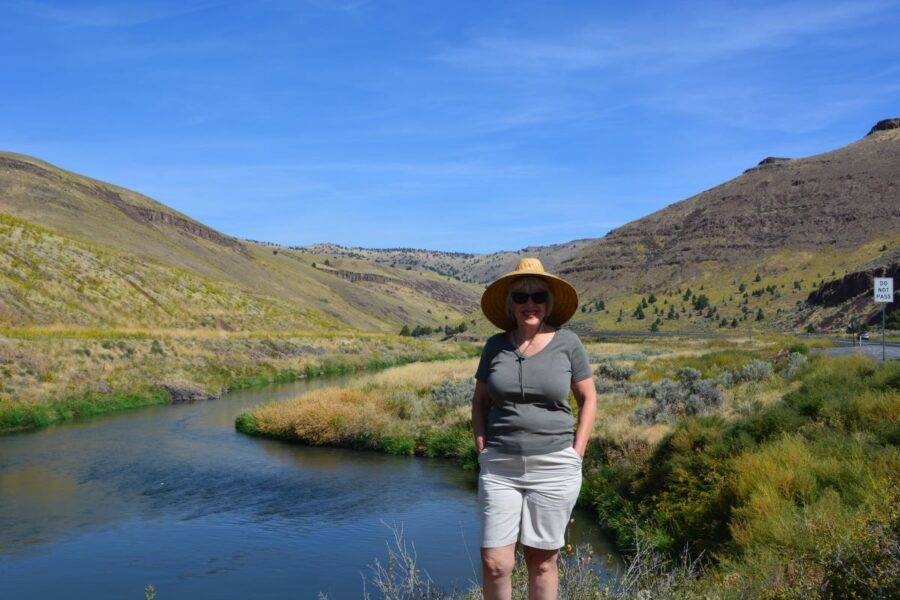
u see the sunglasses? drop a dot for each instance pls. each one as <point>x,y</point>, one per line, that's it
<point>536,297</point>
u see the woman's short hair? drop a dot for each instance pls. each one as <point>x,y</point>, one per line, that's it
<point>528,285</point>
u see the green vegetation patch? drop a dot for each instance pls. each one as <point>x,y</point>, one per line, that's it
<point>40,414</point>
<point>786,482</point>
<point>710,364</point>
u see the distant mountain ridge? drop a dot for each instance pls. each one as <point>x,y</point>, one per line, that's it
<point>476,268</point>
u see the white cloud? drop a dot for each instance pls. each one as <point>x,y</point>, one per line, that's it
<point>705,36</point>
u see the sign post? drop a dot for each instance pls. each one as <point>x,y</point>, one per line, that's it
<point>884,293</point>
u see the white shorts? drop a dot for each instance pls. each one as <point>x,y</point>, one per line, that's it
<point>527,498</point>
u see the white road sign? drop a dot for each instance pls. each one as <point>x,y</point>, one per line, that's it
<point>884,289</point>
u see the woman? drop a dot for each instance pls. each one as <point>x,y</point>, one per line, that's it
<point>530,460</point>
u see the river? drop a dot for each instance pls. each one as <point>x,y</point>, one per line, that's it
<point>173,496</point>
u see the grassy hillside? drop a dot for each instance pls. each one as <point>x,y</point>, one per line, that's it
<point>796,224</point>
<point>80,251</point>
<point>778,284</point>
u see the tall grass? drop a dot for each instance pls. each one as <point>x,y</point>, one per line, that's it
<point>392,411</point>
<point>44,380</point>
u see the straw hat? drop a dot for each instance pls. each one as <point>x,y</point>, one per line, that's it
<point>493,300</point>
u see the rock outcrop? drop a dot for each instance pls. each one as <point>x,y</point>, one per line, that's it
<point>838,291</point>
<point>853,291</point>
<point>141,214</point>
<point>885,125</point>
<point>186,392</point>
<point>438,290</point>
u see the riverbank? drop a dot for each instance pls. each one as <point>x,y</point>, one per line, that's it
<point>51,376</point>
<point>779,468</point>
<point>420,409</point>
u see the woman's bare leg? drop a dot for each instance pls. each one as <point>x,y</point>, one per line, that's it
<point>496,571</point>
<point>543,574</point>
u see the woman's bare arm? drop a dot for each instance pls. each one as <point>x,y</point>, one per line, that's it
<point>586,397</point>
<point>481,402</point>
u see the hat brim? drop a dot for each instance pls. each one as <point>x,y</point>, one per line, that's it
<point>493,300</point>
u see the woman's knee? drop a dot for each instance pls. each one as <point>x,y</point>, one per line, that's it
<point>498,562</point>
<point>540,561</point>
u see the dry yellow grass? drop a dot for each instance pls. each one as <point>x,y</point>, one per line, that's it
<point>328,416</point>
<point>391,410</point>
<point>420,375</point>
<point>45,367</point>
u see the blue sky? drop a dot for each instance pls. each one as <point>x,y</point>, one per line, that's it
<point>452,126</point>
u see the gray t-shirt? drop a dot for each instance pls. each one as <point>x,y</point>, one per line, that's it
<point>530,412</point>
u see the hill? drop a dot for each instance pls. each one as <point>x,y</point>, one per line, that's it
<point>77,251</point>
<point>756,246</point>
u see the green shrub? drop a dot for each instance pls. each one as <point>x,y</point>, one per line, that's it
<point>407,405</point>
<point>453,393</point>
<point>456,441</point>
<point>781,460</point>
<point>757,370</point>
<point>798,347</point>
<point>608,369</point>
<point>397,444</point>
<point>246,423</point>
<point>866,565</point>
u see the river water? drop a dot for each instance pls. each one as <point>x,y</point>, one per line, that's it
<point>172,496</point>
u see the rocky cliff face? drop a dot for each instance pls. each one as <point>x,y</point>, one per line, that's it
<point>852,285</point>
<point>885,125</point>
<point>105,193</point>
<point>855,289</point>
<point>437,290</point>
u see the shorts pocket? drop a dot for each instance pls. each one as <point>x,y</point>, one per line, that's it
<point>575,453</point>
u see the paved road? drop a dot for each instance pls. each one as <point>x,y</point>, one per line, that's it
<point>873,349</point>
